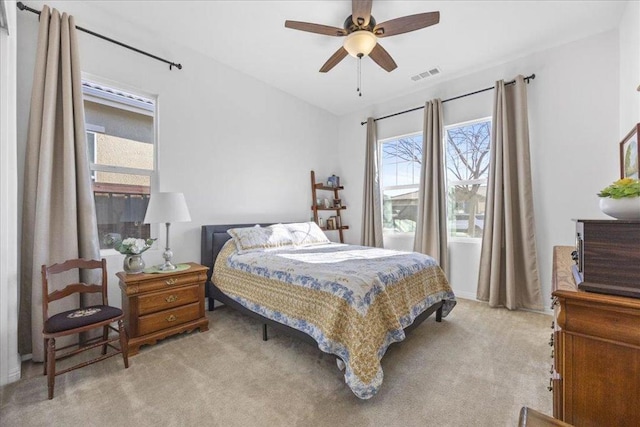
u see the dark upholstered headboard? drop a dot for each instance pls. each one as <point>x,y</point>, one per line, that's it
<point>212,240</point>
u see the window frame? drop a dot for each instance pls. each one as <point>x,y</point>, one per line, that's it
<point>415,186</point>
<point>449,184</point>
<point>99,97</point>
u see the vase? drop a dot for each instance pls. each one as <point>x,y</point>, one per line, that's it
<point>133,264</point>
<point>624,208</point>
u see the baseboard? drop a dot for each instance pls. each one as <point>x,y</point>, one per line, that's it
<point>465,295</point>
<point>471,296</point>
<point>15,374</point>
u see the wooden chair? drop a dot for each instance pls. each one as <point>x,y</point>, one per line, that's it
<point>79,320</point>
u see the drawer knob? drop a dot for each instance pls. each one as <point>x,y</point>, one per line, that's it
<point>171,298</point>
<point>172,318</point>
<point>171,281</point>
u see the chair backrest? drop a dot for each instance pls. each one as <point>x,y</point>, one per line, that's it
<point>73,288</point>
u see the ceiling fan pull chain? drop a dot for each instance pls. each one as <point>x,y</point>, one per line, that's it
<point>359,90</point>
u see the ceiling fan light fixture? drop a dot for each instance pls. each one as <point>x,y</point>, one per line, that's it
<point>360,42</point>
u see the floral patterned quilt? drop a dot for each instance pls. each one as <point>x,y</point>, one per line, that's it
<point>353,300</point>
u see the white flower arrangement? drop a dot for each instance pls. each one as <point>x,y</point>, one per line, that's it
<point>133,246</point>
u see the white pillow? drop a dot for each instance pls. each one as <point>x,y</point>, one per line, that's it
<point>306,233</point>
<point>253,239</point>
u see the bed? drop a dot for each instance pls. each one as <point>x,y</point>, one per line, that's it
<point>350,301</point>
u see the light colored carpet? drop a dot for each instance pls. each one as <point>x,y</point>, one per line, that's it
<point>476,368</point>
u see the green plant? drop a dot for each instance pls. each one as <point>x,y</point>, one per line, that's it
<point>625,187</point>
<point>133,246</point>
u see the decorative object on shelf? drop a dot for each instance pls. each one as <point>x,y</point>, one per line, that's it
<point>629,161</point>
<point>621,199</point>
<point>337,203</point>
<point>333,181</point>
<point>133,249</point>
<point>331,223</point>
<point>327,204</point>
<point>167,208</point>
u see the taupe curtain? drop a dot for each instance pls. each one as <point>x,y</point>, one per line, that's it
<point>431,227</point>
<point>509,274</point>
<point>371,202</point>
<point>59,220</point>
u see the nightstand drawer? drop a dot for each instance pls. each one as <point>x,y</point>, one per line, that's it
<point>150,303</point>
<point>168,318</point>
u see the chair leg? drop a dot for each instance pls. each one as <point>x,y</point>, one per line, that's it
<point>46,343</point>
<point>124,345</point>
<point>105,337</point>
<point>51,369</point>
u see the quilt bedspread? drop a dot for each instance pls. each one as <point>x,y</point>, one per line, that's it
<point>353,300</point>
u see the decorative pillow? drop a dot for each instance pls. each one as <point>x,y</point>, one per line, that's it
<point>252,239</point>
<point>306,233</point>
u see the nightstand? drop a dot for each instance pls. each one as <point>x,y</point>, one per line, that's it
<point>158,305</point>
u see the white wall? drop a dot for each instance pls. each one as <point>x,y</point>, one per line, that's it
<point>629,68</point>
<point>9,358</point>
<point>240,150</point>
<point>573,117</point>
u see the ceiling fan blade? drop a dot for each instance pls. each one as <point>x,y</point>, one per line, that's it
<point>406,24</point>
<point>361,12</point>
<point>315,28</point>
<point>335,58</point>
<point>382,58</point>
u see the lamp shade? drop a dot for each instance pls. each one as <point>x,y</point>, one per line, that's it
<point>360,42</point>
<point>167,207</point>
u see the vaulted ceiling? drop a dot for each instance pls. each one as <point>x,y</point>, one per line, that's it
<point>250,36</point>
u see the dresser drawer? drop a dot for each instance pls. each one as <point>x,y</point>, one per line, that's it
<point>168,318</point>
<point>150,303</point>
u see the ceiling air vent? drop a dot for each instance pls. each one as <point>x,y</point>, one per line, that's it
<point>424,75</point>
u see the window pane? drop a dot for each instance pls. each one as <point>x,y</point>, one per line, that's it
<point>120,210</point>
<point>400,210</point>
<point>400,166</point>
<point>388,172</point>
<point>114,151</point>
<point>121,136</point>
<point>467,151</point>
<point>466,210</point>
<point>389,150</point>
<point>405,173</point>
<point>467,159</point>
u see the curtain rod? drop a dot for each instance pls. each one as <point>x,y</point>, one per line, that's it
<point>526,79</point>
<point>23,6</point>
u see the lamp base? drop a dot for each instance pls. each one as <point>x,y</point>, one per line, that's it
<point>167,255</point>
<point>167,266</point>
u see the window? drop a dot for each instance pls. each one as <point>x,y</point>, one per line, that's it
<point>467,162</point>
<point>400,159</point>
<point>121,149</point>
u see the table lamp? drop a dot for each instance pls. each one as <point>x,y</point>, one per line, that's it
<point>167,208</point>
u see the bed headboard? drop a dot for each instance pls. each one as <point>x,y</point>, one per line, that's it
<point>212,240</point>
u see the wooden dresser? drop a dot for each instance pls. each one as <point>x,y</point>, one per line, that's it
<point>159,305</point>
<point>596,354</point>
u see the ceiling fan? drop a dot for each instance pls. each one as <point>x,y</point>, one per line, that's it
<point>362,33</point>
